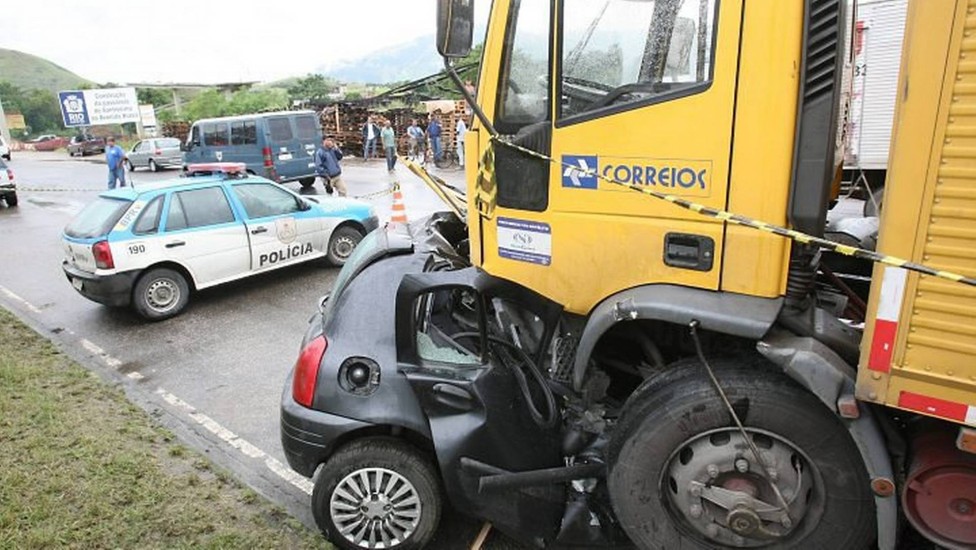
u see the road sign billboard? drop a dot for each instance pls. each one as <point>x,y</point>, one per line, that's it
<point>93,107</point>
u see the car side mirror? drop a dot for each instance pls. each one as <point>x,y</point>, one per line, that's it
<point>455,27</point>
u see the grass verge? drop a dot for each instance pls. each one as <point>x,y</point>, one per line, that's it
<point>82,467</point>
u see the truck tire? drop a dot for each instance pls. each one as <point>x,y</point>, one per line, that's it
<point>160,293</point>
<point>306,182</point>
<point>342,243</point>
<point>377,491</point>
<point>676,451</point>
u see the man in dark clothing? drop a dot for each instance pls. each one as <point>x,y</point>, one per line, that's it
<point>327,167</point>
<point>371,132</point>
<point>434,133</point>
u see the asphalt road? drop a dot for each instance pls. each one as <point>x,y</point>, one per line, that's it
<point>214,374</point>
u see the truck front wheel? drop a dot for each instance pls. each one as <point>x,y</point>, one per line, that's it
<point>683,476</point>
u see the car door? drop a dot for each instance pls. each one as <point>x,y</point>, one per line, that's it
<point>282,228</point>
<point>203,234</point>
<point>138,155</point>
<point>455,346</point>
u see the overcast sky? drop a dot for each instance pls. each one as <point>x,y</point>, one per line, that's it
<point>129,41</point>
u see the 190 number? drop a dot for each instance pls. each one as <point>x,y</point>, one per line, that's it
<point>137,249</point>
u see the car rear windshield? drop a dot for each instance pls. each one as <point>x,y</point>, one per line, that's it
<point>97,218</point>
<point>169,142</point>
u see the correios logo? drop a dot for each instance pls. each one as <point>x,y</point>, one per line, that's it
<point>685,177</point>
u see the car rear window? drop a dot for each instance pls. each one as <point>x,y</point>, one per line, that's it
<point>280,129</point>
<point>306,127</point>
<point>169,142</point>
<point>97,219</point>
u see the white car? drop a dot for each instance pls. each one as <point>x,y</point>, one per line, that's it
<point>4,149</point>
<point>153,246</point>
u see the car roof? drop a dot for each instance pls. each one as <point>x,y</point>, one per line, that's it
<point>132,193</point>
<point>254,116</point>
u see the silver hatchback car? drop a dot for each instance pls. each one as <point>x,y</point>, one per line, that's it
<point>155,154</point>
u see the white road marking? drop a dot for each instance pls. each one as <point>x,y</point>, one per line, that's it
<point>30,307</point>
<point>95,349</point>
<point>235,441</point>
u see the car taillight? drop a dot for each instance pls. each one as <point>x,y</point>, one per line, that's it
<point>307,371</point>
<point>10,175</point>
<point>158,152</point>
<point>103,255</point>
<point>266,152</point>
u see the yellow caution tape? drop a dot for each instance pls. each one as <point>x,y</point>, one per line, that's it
<point>755,224</point>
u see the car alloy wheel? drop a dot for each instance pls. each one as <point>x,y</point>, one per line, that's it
<point>374,506</point>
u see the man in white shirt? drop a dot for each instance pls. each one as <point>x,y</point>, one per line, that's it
<point>370,133</point>
<point>459,130</point>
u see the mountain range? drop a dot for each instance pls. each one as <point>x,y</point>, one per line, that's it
<point>407,61</point>
<point>28,71</point>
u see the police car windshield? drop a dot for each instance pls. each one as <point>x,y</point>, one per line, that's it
<point>97,218</point>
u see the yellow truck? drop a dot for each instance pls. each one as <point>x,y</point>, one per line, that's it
<point>640,335</point>
<point>735,106</point>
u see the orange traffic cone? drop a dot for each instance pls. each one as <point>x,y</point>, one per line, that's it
<point>399,213</point>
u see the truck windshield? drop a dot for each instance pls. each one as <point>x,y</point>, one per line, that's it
<point>97,219</point>
<point>624,51</point>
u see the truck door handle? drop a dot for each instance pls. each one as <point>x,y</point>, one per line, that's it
<point>174,244</point>
<point>258,230</point>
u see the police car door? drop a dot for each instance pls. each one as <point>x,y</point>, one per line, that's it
<point>203,234</point>
<point>282,228</point>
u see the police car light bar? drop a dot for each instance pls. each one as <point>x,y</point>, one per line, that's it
<point>228,168</point>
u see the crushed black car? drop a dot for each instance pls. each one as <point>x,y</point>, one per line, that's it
<point>439,381</point>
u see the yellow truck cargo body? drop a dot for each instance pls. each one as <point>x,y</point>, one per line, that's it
<point>920,340</point>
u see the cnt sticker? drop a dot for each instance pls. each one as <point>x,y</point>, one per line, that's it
<point>525,241</point>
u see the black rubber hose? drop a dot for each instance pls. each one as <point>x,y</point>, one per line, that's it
<point>545,421</point>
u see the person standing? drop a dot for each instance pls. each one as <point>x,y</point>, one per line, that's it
<point>327,167</point>
<point>115,158</point>
<point>434,133</point>
<point>414,136</point>
<point>370,133</point>
<point>389,145</point>
<point>459,132</point>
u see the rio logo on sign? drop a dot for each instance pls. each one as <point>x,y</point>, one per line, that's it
<point>73,108</point>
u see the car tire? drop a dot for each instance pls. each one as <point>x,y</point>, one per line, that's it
<point>10,199</point>
<point>381,488</point>
<point>675,427</point>
<point>306,182</point>
<point>160,293</point>
<point>153,167</point>
<point>129,166</point>
<point>342,243</point>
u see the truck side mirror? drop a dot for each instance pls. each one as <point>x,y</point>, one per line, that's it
<point>455,27</point>
<point>185,146</point>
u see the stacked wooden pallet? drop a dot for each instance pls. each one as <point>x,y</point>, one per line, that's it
<point>176,129</point>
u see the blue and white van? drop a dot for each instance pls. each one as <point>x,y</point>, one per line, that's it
<point>278,146</point>
<point>152,247</point>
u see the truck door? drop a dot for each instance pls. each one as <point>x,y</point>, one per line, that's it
<point>455,341</point>
<point>638,92</point>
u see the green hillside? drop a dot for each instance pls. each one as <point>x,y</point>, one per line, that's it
<point>28,71</point>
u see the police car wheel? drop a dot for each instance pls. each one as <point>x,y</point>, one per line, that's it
<point>377,493</point>
<point>342,243</point>
<point>160,294</point>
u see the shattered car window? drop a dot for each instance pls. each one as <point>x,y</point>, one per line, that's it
<point>448,329</point>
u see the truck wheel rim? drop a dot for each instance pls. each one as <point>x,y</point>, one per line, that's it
<point>342,247</point>
<point>162,295</point>
<point>375,508</point>
<point>714,485</point>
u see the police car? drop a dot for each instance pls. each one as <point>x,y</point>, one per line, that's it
<point>152,246</point>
